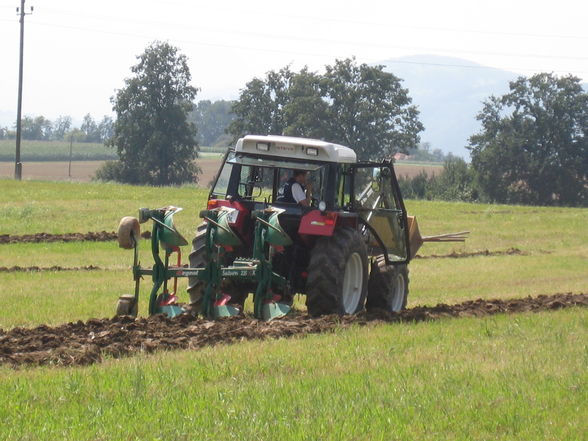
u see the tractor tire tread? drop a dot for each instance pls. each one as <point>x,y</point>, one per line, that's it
<point>326,271</point>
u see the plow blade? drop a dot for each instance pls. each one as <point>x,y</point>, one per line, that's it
<point>270,311</point>
<point>225,311</point>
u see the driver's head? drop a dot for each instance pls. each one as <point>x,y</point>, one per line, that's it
<point>300,176</point>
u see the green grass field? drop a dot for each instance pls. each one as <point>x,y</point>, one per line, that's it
<point>55,151</point>
<point>59,151</point>
<point>520,377</point>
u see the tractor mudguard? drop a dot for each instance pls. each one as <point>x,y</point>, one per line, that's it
<point>317,223</point>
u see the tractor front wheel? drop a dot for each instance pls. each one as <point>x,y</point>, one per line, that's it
<point>337,274</point>
<point>388,287</point>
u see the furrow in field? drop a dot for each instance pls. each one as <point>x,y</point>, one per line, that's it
<point>92,236</point>
<point>36,269</point>
<point>82,343</point>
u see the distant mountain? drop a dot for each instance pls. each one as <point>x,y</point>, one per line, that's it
<point>449,93</point>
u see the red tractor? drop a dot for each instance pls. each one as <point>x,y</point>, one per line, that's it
<point>285,216</point>
<point>345,245</point>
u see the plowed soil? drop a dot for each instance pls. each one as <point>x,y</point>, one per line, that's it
<point>456,255</point>
<point>86,343</point>
<point>36,269</point>
<point>98,236</point>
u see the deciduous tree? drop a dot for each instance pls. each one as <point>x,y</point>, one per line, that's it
<point>154,140</point>
<point>358,105</point>
<point>533,146</point>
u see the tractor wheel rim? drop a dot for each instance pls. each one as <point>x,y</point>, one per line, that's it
<point>398,294</point>
<point>352,283</point>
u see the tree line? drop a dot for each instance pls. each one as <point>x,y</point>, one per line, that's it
<point>39,128</point>
<point>532,147</point>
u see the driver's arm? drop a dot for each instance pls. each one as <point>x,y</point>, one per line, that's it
<point>299,196</point>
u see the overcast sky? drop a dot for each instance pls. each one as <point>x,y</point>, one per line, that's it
<point>77,53</point>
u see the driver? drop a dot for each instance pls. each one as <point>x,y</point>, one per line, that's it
<point>296,190</point>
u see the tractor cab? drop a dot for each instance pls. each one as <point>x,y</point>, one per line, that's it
<point>343,191</point>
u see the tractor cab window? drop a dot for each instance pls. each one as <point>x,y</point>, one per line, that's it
<point>260,178</point>
<point>315,182</point>
<point>255,183</point>
<point>375,197</point>
<point>221,185</point>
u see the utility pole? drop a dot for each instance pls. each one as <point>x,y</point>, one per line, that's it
<point>17,164</point>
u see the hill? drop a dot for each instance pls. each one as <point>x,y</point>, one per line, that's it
<point>449,93</point>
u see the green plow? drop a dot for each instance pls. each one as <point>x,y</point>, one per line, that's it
<point>269,238</point>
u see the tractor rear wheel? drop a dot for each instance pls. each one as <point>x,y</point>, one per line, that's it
<point>387,287</point>
<point>337,274</point>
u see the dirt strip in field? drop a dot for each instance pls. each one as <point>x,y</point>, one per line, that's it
<point>456,255</point>
<point>36,269</point>
<point>83,343</point>
<point>97,236</point>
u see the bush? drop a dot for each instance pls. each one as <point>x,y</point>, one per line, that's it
<point>455,183</point>
<point>110,171</point>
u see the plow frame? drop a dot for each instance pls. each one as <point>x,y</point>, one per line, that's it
<point>257,269</point>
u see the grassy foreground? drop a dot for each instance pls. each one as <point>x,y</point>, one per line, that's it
<point>500,378</point>
<point>518,377</point>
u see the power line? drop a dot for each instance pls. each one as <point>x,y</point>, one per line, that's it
<point>390,24</point>
<point>347,43</point>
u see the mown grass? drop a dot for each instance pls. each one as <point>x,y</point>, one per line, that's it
<point>65,207</point>
<point>499,378</point>
<point>553,242</point>
<point>56,151</point>
<point>80,295</point>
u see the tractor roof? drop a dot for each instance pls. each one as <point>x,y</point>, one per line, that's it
<point>291,147</point>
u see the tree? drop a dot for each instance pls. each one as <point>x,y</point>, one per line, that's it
<point>307,112</point>
<point>154,140</point>
<point>369,110</point>
<point>211,120</point>
<point>105,129</point>
<point>90,128</point>
<point>358,105</point>
<point>37,128</point>
<point>455,183</point>
<point>60,127</point>
<point>533,146</point>
<point>260,108</point>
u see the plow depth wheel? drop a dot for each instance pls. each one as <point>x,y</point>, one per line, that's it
<point>127,305</point>
<point>337,275</point>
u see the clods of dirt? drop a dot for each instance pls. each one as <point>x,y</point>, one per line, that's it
<point>83,343</point>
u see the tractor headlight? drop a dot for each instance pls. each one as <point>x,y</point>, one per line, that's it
<point>322,206</point>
